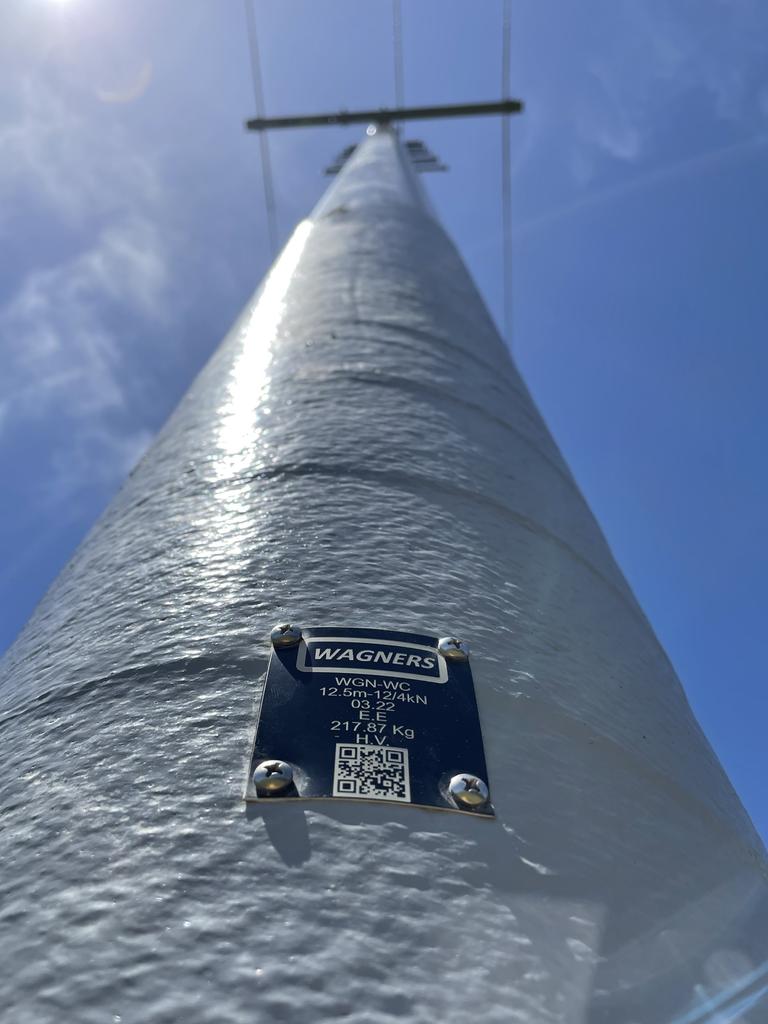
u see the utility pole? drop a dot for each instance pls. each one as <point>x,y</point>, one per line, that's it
<point>361,452</point>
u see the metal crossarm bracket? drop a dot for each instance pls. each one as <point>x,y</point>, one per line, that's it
<point>385,115</point>
<point>422,159</point>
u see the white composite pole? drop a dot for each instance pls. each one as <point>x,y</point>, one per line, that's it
<point>361,450</point>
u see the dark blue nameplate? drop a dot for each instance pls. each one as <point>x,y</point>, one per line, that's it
<point>369,714</point>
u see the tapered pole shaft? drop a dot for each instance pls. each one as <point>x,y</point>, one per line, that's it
<point>361,450</point>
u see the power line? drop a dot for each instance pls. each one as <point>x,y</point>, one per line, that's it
<point>506,173</point>
<point>258,92</point>
<point>397,50</point>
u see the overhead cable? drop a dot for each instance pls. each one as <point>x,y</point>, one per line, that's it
<point>397,50</point>
<point>258,92</point>
<point>506,173</point>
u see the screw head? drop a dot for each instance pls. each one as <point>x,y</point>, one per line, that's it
<point>285,635</point>
<point>468,791</point>
<point>453,648</point>
<point>272,777</point>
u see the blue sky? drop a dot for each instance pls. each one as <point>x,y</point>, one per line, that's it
<point>132,230</point>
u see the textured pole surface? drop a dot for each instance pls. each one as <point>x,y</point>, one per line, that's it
<point>360,450</point>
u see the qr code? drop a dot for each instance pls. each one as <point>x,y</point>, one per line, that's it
<point>373,773</point>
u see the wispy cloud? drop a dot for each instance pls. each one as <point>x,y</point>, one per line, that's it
<point>68,329</point>
<point>57,158</point>
<point>665,53</point>
<point>698,163</point>
<point>59,344</point>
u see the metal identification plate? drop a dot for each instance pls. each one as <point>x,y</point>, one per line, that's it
<point>369,714</point>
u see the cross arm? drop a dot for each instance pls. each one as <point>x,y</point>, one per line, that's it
<point>385,115</point>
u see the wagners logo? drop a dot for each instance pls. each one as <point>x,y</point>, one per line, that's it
<point>371,657</point>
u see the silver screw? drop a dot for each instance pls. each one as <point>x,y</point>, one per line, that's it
<point>451,647</point>
<point>468,791</point>
<point>272,777</point>
<point>285,635</point>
